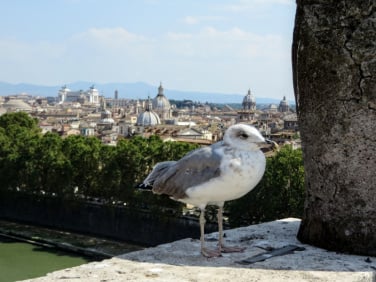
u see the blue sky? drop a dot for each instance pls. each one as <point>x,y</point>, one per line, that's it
<point>196,45</point>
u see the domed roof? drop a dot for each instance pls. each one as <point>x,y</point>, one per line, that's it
<point>106,117</point>
<point>284,101</point>
<point>148,118</point>
<point>160,102</point>
<point>105,113</point>
<point>249,101</point>
<point>107,120</point>
<point>272,107</point>
<point>284,105</point>
<point>17,104</point>
<point>249,98</point>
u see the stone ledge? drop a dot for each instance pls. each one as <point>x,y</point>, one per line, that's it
<point>181,261</point>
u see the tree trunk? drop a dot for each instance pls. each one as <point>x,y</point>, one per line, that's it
<point>334,64</point>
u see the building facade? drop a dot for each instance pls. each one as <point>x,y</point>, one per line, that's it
<point>91,96</point>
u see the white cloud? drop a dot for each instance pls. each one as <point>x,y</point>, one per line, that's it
<point>252,5</point>
<point>109,46</point>
<point>208,43</point>
<point>178,36</point>
<point>109,37</point>
<point>190,20</point>
<point>32,62</point>
<point>230,59</point>
<point>235,43</point>
<point>193,20</point>
<point>20,51</point>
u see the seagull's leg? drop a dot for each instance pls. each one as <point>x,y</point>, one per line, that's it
<point>204,251</point>
<point>202,229</point>
<point>222,247</point>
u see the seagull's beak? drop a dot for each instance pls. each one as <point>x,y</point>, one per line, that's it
<point>269,144</point>
<point>273,144</point>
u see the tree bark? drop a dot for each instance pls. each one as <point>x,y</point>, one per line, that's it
<point>334,64</point>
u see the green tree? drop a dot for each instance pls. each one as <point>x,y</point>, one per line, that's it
<point>132,163</point>
<point>11,122</point>
<point>49,166</point>
<point>110,174</point>
<point>159,151</point>
<point>8,156</point>
<point>83,154</point>
<point>176,150</point>
<point>136,158</point>
<point>19,134</point>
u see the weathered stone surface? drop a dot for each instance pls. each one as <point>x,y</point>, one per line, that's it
<point>182,261</point>
<point>334,62</point>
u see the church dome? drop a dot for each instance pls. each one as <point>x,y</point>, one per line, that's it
<point>283,105</point>
<point>17,105</point>
<point>272,107</point>
<point>283,101</point>
<point>249,101</point>
<point>105,114</point>
<point>148,118</point>
<point>160,102</point>
<point>107,120</point>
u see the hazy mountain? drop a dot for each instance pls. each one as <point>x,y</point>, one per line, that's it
<point>137,90</point>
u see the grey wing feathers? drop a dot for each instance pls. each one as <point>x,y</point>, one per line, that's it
<point>157,171</point>
<point>195,168</point>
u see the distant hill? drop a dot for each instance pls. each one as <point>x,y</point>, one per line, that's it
<point>136,90</point>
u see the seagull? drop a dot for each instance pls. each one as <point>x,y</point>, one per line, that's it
<point>212,175</point>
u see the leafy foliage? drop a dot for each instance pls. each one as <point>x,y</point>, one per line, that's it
<point>82,168</point>
<point>79,167</point>
<point>19,135</point>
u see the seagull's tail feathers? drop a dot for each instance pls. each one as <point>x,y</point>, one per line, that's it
<point>144,187</point>
<point>158,170</point>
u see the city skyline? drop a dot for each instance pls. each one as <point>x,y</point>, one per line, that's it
<point>205,46</point>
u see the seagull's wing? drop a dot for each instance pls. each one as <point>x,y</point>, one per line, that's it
<point>158,170</point>
<point>195,168</point>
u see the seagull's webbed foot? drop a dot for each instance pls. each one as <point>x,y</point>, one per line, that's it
<point>232,249</point>
<point>214,253</point>
<point>209,253</point>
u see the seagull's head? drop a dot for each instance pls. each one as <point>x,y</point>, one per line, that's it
<point>244,137</point>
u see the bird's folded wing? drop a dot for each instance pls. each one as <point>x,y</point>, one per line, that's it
<point>158,170</point>
<point>195,168</point>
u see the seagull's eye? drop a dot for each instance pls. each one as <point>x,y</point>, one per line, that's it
<point>243,135</point>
